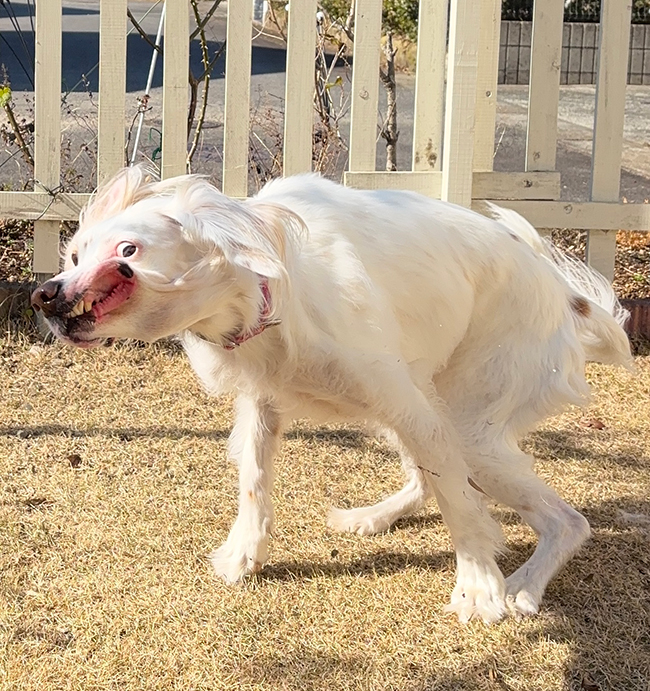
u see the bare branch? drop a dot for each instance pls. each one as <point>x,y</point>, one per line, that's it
<point>18,134</point>
<point>275,22</point>
<point>201,23</point>
<point>141,31</point>
<point>205,58</point>
<point>389,128</point>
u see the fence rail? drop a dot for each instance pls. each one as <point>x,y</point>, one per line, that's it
<point>452,155</point>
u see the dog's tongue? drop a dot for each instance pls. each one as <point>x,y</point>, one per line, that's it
<point>116,296</point>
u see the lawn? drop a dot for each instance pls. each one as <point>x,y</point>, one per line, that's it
<point>114,486</point>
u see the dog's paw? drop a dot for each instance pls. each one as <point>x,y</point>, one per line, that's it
<point>362,521</point>
<point>473,603</point>
<point>233,563</point>
<point>479,594</point>
<point>522,599</point>
<point>240,555</point>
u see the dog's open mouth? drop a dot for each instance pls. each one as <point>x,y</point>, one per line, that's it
<point>88,309</point>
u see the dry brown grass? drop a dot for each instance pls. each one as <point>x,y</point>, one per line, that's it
<point>114,486</point>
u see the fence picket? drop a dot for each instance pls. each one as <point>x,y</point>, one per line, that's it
<point>365,85</point>
<point>428,118</point>
<point>544,89</point>
<point>47,129</point>
<point>299,92</point>
<point>175,88</point>
<point>486,84</point>
<point>462,67</point>
<point>112,87</point>
<point>608,127</point>
<point>237,99</point>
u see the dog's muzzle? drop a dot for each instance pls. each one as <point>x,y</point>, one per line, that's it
<point>48,298</point>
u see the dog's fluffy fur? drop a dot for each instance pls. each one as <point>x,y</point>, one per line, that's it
<point>453,333</point>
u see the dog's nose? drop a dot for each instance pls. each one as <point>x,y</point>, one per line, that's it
<point>44,297</point>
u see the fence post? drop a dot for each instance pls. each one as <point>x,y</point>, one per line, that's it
<point>47,130</point>
<point>613,51</point>
<point>460,101</point>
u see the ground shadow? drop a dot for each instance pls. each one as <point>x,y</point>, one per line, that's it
<point>122,433</point>
<point>343,438</point>
<point>567,445</point>
<point>370,565</point>
<point>599,604</point>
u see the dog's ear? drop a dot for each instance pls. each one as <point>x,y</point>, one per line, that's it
<point>254,235</point>
<point>279,230</point>
<point>114,196</point>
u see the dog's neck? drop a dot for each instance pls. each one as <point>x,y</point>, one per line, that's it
<point>232,340</point>
<point>263,321</point>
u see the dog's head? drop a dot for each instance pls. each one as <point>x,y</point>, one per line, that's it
<point>151,259</point>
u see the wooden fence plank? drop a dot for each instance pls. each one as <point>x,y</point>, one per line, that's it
<point>486,84</point>
<point>47,128</point>
<point>462,67</point>
<point>112,87</point>
<point>237,99</point>
<point>300,87</point>
<point>544,89</point>
<point>485,185</point>
<point>542,214</point>
<point>608,128</point>
<point>365,85</point>
<point>40,205</point>
<point>175,88</point>
<point>428,119</point>
<point>579,215</point>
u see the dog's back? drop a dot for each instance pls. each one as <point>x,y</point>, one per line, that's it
<point>459,295</point>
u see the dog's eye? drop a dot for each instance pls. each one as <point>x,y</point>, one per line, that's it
<point>126,249</point>
<point>75,259</point>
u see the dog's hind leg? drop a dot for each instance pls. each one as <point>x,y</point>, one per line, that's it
<point>370,520</point>
<point>508,478</point>
<point>253,444</point>
<point>386,395</point>
<point>432,441</point>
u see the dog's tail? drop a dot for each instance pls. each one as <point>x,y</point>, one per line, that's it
<point>598,314</point>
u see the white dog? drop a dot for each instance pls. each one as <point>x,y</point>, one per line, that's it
<point>454,333</point>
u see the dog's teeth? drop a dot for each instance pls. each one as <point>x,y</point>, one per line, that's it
<point>88,305</point>
<point>78,308</point>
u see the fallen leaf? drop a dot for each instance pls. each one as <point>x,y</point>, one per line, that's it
<point>592,422</point>
<point>74,460</point>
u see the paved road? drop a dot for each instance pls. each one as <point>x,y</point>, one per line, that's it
<point>81,46</point>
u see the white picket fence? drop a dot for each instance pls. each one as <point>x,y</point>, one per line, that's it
<point>455,111</point>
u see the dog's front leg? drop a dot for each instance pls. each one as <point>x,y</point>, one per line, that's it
<point>253,444</point>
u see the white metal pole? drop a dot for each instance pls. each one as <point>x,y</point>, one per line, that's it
<point>145,99</point>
